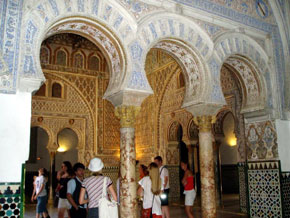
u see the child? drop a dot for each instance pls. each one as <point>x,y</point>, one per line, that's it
<point>40,193</point>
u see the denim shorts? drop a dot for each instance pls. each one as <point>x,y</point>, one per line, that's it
<point>41,204</point>
<point>93,212</point>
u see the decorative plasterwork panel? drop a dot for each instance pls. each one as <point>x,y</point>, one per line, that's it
<point>232,92</point>
<point>252,88</point>
<point>10,29</point>
<point>74,104</point>
<point>261,140</point>
<point>232,44</point>
<point>192,74</point>
<point>138,9</point>
<point>252,13</point>
<point>104,42</point>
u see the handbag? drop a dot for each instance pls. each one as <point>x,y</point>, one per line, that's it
<point>107,208</point>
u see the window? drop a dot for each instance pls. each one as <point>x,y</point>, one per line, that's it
<point>44,55</point>
<point>94,63</point>
<point>56,90</point>
<point>61,58</point>
<point>181,82</point>
<point>78,60</point>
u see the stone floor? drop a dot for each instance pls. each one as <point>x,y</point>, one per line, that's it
<point>230,209</point>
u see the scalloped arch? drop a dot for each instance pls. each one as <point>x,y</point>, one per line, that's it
<point>234,44</point>
<point>108,29</point>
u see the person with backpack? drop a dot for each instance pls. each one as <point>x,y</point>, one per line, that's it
<point>74,186</point>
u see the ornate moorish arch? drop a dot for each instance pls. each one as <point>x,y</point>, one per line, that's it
<point>184,40</point>
<point>108,29</point>
<point>251,65</point>
<point>38,123</point>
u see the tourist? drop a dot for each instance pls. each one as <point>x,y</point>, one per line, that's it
<point>143,170</point>
<point>189,191</point>
<point>94,188</point>
<point>150,189</point>
<point>40,193</point>
<point>64,175</point>
<point>164,175</point>
<point>74,185</point>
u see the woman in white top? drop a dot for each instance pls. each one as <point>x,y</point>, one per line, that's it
<point>40,194</point>
<point>151,188</point>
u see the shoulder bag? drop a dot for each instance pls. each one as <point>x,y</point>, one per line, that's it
<point>107,208</point>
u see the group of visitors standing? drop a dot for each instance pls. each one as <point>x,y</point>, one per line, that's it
<point>80,197</point>
<point>154,188</point>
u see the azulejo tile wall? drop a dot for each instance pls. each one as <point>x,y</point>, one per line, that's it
<point>174,183</point>
<point>264,189</point>
<point>285,182</point>
<point>10,200</point>
<point>243,187</point>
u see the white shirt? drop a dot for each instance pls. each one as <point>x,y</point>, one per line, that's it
<point>38,182</point>
<point>148,196</point>
<point>164,173</point>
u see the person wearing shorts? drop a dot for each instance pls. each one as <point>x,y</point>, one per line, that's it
<point>189,191</point>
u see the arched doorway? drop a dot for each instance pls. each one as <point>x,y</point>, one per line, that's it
<point>67,150</point>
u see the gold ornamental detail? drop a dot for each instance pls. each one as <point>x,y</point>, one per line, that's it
<point>204,122</point>
<point>127,115</point>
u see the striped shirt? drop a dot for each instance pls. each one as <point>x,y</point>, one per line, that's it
<point>94,188</point>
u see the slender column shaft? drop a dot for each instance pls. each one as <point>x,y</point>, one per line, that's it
<point>52,157</point>
<point>208,198</point>
<point>128,201</point>
<point>128,183</point>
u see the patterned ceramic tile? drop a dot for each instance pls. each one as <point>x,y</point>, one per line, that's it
<point>264,189</point>
<point>243,187</point>
<point>10,200</point>
<point>285,181</point>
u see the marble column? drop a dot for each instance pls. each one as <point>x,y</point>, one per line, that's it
<point>51,160</point>
<point>208,198</point>
<point>217,171</point>
<point>128,202</point>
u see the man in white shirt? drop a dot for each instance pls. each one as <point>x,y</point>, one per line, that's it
<point>164,175</point>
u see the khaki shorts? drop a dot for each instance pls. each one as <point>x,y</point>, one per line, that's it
<point>63,203</point>
<point>189,197</point>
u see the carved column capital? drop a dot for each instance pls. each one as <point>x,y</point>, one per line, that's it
<point>127,115</point>
<point>204,122</point>
<point>52,148</point>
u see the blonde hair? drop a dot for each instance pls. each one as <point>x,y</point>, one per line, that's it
<point>155,178</point>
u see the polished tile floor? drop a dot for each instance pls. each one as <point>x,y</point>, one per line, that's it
<point>230,209</point>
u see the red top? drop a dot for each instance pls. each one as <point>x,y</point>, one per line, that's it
<point>190,183</point>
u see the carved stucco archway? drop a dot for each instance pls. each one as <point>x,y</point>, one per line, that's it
<point>104,28</point>
<point>240,51</point>
<point>47,130</point>
<point>184,40</point>
<point>81,139</point>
